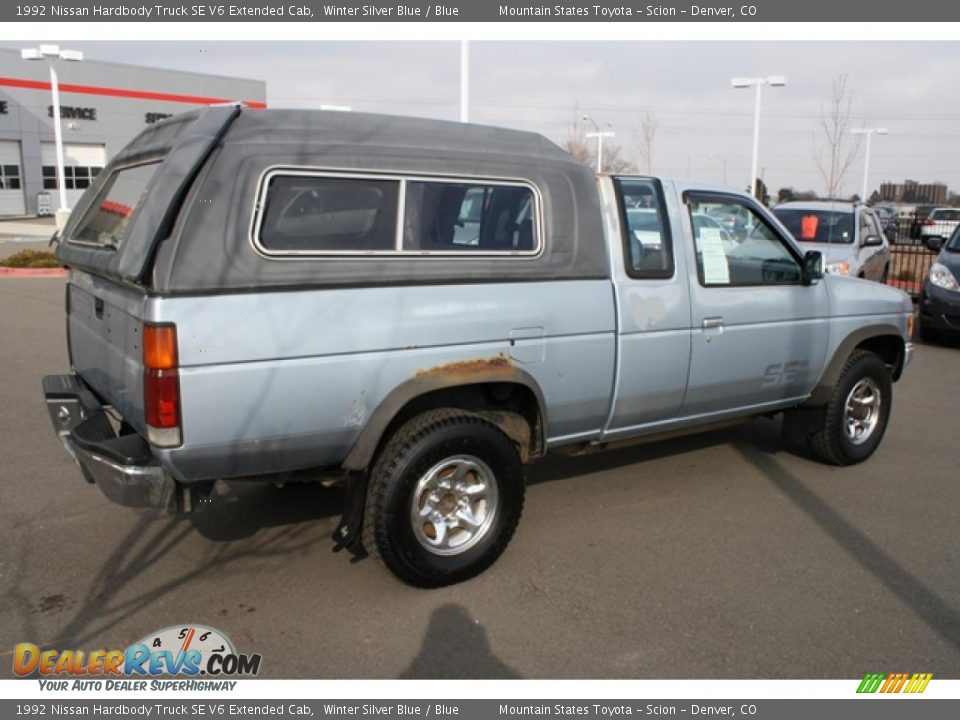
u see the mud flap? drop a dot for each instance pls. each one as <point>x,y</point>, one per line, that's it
<point>348,533</point>
<point>801,422</point>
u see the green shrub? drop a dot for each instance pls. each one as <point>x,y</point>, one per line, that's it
<point>31,259</point>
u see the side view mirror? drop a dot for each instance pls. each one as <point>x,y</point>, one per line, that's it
<point>872,241</point>
<point>935,243</point>
<point>812,267</point>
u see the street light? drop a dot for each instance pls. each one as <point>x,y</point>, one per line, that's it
<point>599,135</point>
<point>741,82</point>
<point>52,53</point>
<point>866,163</point>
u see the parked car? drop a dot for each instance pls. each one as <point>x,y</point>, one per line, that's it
<point>939,225</point>
<point>940,297</point>
<point>848,234</point>
<point>262,295</point>
<point>920,214</point>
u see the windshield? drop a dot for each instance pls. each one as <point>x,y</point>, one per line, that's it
<point>108,219</point>
<point>953,245</point>
<point>817,226</point>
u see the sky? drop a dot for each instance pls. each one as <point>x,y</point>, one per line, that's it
<point>704,127</point>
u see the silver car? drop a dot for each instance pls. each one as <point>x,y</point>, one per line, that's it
<point>850,236</point>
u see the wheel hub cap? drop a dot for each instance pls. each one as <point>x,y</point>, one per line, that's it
<point>454,504</point>
<point>861,413</point>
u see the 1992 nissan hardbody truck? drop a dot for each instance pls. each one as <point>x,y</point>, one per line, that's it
<point>422,307</point>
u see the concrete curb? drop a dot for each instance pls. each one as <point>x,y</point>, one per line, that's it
<point>33,272</point>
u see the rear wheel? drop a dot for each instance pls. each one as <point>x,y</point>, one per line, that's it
<point>855,418</point>
<point>444,498</point>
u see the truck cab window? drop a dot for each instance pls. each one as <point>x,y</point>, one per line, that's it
<point>648,248</point>
<point>735,246</point>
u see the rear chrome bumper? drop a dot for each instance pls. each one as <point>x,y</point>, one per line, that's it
<point>122,466</point>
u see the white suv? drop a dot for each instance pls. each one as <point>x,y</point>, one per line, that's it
<point>849,235</point>
<point>940,224</point>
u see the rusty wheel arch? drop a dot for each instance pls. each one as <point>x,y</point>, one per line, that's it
<point>492,387</point>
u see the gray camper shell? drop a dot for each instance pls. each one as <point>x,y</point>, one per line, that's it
<point>195,230</point>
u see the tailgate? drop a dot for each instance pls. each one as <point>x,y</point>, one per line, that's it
<point>105,327</point>
<point>110,241</point>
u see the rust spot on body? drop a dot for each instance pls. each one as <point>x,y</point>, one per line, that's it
<point>466,368</point>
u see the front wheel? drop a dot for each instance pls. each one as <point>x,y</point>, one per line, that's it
<point>855,418</point>
<point>444,498</point>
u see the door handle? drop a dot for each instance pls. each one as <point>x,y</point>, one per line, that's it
<point>712,323</point>
<point>98,308</point>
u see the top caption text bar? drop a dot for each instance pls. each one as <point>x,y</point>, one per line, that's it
<point>482,11</point>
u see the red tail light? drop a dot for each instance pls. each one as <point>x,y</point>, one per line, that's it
<point>161,385</point>
<point>929,221</point>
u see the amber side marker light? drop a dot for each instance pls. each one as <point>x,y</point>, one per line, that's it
<point>161,385</point>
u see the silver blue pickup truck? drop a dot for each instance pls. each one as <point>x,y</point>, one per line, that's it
<point>418,308</point>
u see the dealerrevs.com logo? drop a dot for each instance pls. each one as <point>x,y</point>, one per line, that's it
<point>178,651</point>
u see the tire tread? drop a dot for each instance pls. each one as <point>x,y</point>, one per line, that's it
<point>374,535</point>
<point>825,442</point>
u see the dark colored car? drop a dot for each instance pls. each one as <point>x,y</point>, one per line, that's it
<point>940,299</point>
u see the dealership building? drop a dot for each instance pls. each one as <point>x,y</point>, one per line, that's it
<point>103,106</point>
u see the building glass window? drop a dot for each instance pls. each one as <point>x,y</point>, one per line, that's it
<point>76,177</point>
<point>9,177</point>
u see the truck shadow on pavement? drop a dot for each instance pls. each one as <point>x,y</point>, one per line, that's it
<point>761,433</point>
<point>158,555</point>
<point>909,589</point>
<point>241,509</point>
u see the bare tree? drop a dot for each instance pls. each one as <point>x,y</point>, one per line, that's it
<point>576,141</point>
<point>835,152</point>
<point>584,149</point>
<point>645,136</point>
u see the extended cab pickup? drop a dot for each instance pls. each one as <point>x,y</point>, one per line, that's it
<point>418,308</point>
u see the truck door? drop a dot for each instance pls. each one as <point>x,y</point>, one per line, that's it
<point>653,306</point>
<point>758,335</point>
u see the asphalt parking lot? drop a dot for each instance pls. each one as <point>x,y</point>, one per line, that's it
<point>723,555</point>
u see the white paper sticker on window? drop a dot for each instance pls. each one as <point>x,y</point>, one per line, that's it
<point>712,257</point>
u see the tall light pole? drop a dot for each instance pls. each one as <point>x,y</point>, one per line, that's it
<point>464,80</point>
<point>52,53</point>
<point>741,82</point>
<point>599,135</point>
<point>866,163</point>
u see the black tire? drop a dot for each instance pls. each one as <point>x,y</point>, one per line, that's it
<point>885,278</point>
<point>420,446</point>
<point>831,442</point>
